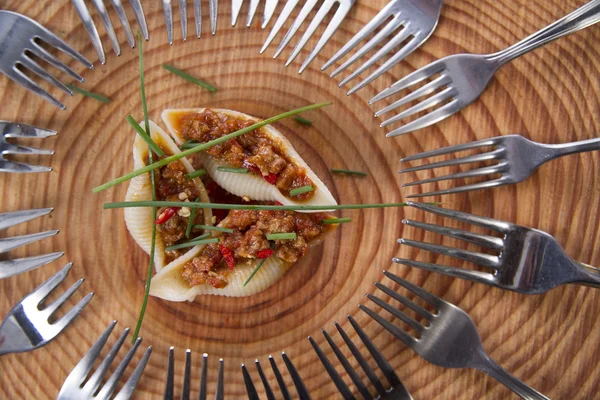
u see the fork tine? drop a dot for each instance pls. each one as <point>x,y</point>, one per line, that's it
<point>10,243</point>
<point>491,242</point>
<point>17,167</point>
<point>40,52</point>
<point>344,361</point>
<point>282,386</point>
<point>203,375</point>
<point>428,119</point>
<point>127,390</point>
<point>14,130</point>
<point>73,313</point>
<point>478,258</point>
<point>491,155</point>
<point>396,313</point>
<point>13,218</point>
<point>213,8</point>
<point>96,379</point>
<point>409,80</point>
<point>138,11</point>
<point>34,67</point>
<point>220,392</point>
<point>18,149</point>
<point>170,375</point>
<point>99,4</point>
<point>118,6</point>
<point>270,6</point>
<point>300,388</point>
<point>90,27</point>
<point>495,169</point>
<point>252,12</point>
<point>50,309</point>
<point>111,384</point>
<point>250,389</point>
<point>265,382</point>
<point>406,302</point>
<point>429,102</point>
<point>333,374</point>
<point>20,78</point>
<point>453,149</point>
<point>183,17</point>
<point>185,393</point>
<point>476,276</point>
<point>168,12</point>
<point>466,188</point>
<point>500,226</point>
<point>198,18</point>
<point>236,7</point>
<point>285,14</point>
<point>17,266</point>
<point>304,11</point>
<point>425,90</point>
<point>419,291</point>
<point>394,330</point>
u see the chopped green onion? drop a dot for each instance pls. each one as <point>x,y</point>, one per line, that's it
<point>255,270</point>
<point>214,228</point>
<point>188,230</point>
<point>281,236</point>
<point>84,92</point>
<point>233,170</point>
<point>197,173</point>
<point>347,171</point>
<point>144,135</point>
<point>204,146</point>
<point>192,244</point>
<point>220,206</point>
<point>332,221</point>
<point>302,121</point>
<point>190,78</point>
<point>301,190</point>
<point>189,144</point>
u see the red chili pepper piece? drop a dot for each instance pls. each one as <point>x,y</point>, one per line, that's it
<point>166,215</point>
<point>271,178</point>
<point>278,203</point>
<point>262,254</point>
<point>228,256</point>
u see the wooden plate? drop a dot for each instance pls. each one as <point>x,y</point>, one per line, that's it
<point>552,95</point>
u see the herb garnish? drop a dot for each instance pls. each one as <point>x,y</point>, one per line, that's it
<point>333,221</point>
<point>84,92</point>
<point>281,236</point>
<point>188,145</point>
<point>190,78</point>
<point>192,244</point>
<point>348,171</point>
<point>302,121</point>
<point>219,206</point>
<point>196,174</point>
<point>214,228</point>
<point>301,190</point>
<point>233,170</point>
<point>260,264</point>
<point>188,230</point>
<point>147,138</point>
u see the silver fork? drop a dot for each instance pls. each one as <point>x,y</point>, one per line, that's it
<point>417,18</point>
<point>90,27</point>
<point>27,325</point>
<point>236,7</point>
<point>17,266</point>
<point>168,12</point>
<point>458,80</point>
<point>9,130</point>
<point>526,260</point>
<point>185,392</point>
<point>397,390</point>
<point>517,158</point>
<point>338,17</point>
<point>78,386</point>
<point>20,38</point>
<point>449,339</point>
<point>298,384</point>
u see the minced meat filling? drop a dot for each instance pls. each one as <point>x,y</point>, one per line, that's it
<point>249,237</point>
<point>254,150</point>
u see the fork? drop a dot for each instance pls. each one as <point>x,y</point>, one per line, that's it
<point>529,261</point>
<point>10,130</point>
<point>185,393</point>
<point>168,12</point>
<point>90,27</point>
<point>417,18</point>
<point>26,327</point>
<point>77,385</point>
<point>396,392</point>
<point>449,340</point>
<point>236,7</point>
<point>458,80</point>
<point>19,40</point>
<point>298,384</point>
<point>338,18</point>
<point>18,266</point>
<point>517,158</point>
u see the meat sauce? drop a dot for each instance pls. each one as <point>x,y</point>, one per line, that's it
<point>254,150</point>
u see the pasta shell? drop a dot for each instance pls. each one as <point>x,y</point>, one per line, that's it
<point>140,221</point>
<point>250,185</point>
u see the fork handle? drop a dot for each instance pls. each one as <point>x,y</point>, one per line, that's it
<point>586,275</point>
<point>524,391</point>
<point>579,19</point>
<point>582,146</point>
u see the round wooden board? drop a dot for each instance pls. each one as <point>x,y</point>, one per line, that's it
<point>552,95</point>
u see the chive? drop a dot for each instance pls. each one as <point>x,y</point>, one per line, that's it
<point>302,121</point>
<point>189,144</point>
<point>205,146</point>
<point>219,206</point>
<point>301,190</point>
<point>281,236</point>
<point>214,228</point>
<point>190,78</point>
<point>144,135</point>
<point>192,244</point>
<point>333,221</point>
<point>233,170</point>
<point>348,171</point>
<point>188,230</point>
<point>255,270</point>
<point>197,173</point>
<point>84,92</point>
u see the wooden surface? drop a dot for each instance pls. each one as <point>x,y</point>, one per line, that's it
<point>551,95</point>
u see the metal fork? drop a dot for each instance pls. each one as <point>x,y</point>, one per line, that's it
<point>449,339</point>
<point>74,387</point>
<point>417,18</point>
<point>527,261</point>
<point>236,7</point>
<point>27,327</point>
<point>10,130</point>
<point>168,11</point>
<point>517,158</point>
<point>338,17</point>
<point>298,384</point>
<point>20,38</point>
<point>18,266</point>
<point>90,27</point>
<point>397,390</point>
<point>185,392</point>
<point>458,80</point>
